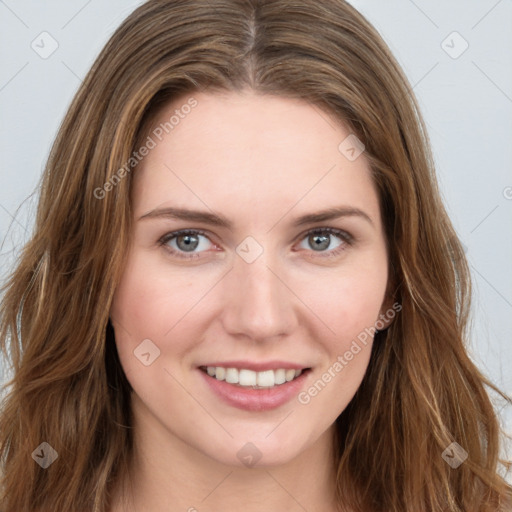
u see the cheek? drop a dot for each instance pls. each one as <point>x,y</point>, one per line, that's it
<point>152,302</point>
<point>145,307</point>
<point>347,302</point>
<point>349,311</point>
<point>140,304</point>
<point>149,300</point>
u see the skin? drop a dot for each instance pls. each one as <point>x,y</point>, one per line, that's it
<point>260,161</point>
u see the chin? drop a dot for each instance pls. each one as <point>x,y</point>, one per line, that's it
<point>260,450</point>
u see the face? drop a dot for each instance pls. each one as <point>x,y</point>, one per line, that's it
<point>255,287</point>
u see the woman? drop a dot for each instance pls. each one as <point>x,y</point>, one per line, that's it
<point>243,288</point>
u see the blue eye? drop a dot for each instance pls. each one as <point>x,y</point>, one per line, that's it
<point>183,243</point>
<point>190,243</point>
<point>321,239</point>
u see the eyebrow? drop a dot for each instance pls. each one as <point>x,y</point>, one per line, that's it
<point>221,221</point>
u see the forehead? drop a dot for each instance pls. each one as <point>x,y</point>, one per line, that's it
<point>232,151</point>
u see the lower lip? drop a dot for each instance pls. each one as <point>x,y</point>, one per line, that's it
<point>256,399</point>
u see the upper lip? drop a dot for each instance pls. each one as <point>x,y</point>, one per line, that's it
<point>256,366</point>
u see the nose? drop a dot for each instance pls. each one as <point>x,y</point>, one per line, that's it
<point>259,305</point>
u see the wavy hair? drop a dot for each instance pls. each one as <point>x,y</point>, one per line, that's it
<point>421,390</point>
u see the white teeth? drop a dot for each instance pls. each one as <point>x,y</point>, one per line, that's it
<point>250,378</point>
<point>266,378</point>
<point>280,376</point>
<point>232,375</point>
<point>290,375</point>
<point>247,378</point>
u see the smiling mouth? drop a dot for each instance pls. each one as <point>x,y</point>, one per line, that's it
<point>246,378</point>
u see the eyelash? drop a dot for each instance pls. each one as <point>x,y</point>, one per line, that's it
<point>346,238</point>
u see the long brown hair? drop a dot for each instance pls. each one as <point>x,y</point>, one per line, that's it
<point>421,391</point>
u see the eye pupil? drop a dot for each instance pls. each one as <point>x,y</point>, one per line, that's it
<point>191,242</point>
<point>320,241</point>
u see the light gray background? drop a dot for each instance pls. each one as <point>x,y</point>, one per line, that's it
<point>466,102</point>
